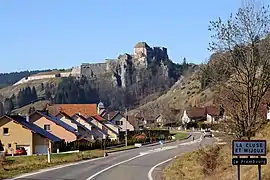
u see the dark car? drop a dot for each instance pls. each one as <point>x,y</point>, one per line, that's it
<point>20,151</point>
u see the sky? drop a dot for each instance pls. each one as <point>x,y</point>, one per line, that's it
<point>47,34</point>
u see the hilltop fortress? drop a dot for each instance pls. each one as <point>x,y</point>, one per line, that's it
<point>117,69</point>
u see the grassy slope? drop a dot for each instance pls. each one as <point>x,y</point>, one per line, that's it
<point>39,105</point>
<point>8,91</point>
<point>193,166</point>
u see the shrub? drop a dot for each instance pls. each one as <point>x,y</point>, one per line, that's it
<point>1,146</point>
<point>2,161</point>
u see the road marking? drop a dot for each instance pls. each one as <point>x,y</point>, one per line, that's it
<point>54,168</point>
<point>110,167</point>
<point>152,169</point>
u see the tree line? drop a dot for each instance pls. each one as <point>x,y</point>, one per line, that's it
<point>24,97</point>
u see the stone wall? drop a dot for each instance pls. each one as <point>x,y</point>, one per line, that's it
<point>91,70</point>
<point>76,71</point>
<point>32,78</point>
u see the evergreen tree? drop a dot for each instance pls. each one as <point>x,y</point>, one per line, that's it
<point>185,64</point>
<point>42,86</point>
<point>34,94</point>
<point>48,94</point>
<point>31,110</point>
<point>8,105</point>
<point>2,110</point>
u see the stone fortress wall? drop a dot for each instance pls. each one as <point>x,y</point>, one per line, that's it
<point>75,72</point>
<point>141,56</point>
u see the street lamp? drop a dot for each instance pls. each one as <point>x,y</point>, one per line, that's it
<point>104,150</point>
<point>126,128</point>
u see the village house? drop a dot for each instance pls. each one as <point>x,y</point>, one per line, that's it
<point>53,125</point>
<point>16,132</point>
<point>100,133</point>
<point>106,126</point>
<point>81,129</point>
<point>118,119</point>
<point>85,110</point>
<point>208,115</point>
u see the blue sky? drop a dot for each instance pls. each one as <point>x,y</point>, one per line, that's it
<point>42,34</point>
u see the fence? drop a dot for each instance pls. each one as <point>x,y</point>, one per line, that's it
<point>149,137</point>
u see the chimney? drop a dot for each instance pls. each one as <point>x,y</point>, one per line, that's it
<point>108,116</point>
<point>27,118</point>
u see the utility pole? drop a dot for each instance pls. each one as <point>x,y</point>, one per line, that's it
<point>126,127</point>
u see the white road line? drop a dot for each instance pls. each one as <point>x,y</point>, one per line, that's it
<point>54,168</point>
<point>103,170</point>
<point>152,169</point>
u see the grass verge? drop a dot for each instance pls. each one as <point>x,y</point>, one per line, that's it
<point>215,162</point>
<point>180,135</point>
<point>13,166</point>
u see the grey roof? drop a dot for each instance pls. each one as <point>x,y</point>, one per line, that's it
<point>92,117</point>
<point>88,121</point>
<point>59,122</point>
<point>78,124</point>
<point>36,129</point>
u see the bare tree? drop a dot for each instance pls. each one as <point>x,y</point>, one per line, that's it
<point>241,66</point>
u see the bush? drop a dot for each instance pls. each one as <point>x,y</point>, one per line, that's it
<point>2,161</point>
<point>1,146</point>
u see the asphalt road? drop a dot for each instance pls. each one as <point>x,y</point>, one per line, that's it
<point>127,165</point>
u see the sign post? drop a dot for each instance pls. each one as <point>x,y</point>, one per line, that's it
<point>249,148</point>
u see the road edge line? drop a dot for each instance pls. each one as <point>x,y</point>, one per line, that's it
<point>153,168</point>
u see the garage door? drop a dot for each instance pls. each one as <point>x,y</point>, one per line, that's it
<point>41,149</point>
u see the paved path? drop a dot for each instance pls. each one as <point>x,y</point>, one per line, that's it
<point>127,165</point>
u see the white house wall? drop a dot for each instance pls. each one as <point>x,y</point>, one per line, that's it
<point>185,118</point>
<point>68,121</point>
<point>126,124</point>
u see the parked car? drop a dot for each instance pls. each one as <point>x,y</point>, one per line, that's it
<point>20,151</point>
<point>207,133</point>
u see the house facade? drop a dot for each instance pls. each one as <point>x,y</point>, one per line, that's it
<point>106,126</point>
<point>100,134</point>
<point>208,115</point>
<point>54,126</point>
<point>119,120</point>
<point>16,131</point>
<point>82,130</point>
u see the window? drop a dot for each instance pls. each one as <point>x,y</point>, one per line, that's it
<point>47,127</point>
<point>119,123</point>
<point>5,131</point>
<point>9,145</point>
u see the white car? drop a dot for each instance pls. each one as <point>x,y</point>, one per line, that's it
<point>207,133</point>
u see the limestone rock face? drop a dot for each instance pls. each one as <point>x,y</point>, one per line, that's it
<point>125,70</point>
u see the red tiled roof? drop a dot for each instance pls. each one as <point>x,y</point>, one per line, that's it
<point>212,110</point>
<point>196,112</point>
<point>98,117</point>
<point>86,110</point>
